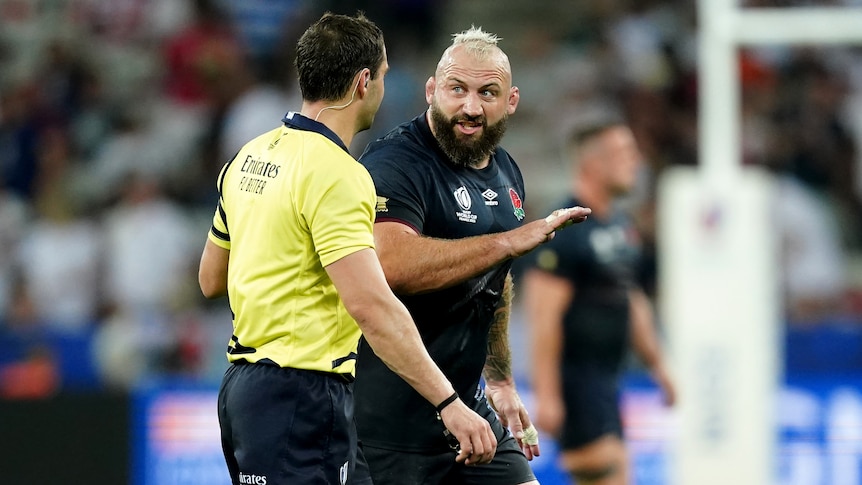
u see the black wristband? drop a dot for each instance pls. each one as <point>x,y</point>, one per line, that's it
<point>449,400</point>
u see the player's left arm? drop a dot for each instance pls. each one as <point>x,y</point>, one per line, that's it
<point>646,343</point>
<point>414,263</point>
<point>499,382</point>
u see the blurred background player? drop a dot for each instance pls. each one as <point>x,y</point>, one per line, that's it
<point>585,308</point>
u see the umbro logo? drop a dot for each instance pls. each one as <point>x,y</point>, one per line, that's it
<point>490,197</point>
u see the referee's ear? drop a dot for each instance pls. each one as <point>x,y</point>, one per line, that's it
<point>361,83</point>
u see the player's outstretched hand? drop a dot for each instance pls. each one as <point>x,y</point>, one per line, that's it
<point>476,441</point>
<point>527,237</point>
<point>504,400</point>
<point>565,217</point>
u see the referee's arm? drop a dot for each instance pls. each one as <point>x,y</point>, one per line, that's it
<point>391,333</point>
<point>212,273</point>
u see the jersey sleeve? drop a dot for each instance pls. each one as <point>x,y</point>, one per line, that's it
<point>219,233</point>
<point>394,168</point>
<point>338,203</point>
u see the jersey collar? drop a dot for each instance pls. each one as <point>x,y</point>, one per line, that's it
<point>297,121</point>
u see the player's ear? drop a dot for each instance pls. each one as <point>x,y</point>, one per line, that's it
<point>512,102</point>
<point>430,86</point>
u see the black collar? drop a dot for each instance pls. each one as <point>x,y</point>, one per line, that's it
<point>295,120</point>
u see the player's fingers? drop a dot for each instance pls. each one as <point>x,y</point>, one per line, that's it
<point>471,454</point>
<point>504,420</point>
<point>518,432</point>
<point>530,436</point>
<point>557,217</point>
<point>484,448</point>
<point>570,215</point>
<point>527,439</point>
<point>464,453</point>
<point>520,422</point>
<point>578,212</point>
<point>576,215</point>
<point>524,417</point>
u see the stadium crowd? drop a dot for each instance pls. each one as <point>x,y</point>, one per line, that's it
<point>115,117</point>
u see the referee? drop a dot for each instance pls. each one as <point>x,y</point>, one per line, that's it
<point>291,245</point>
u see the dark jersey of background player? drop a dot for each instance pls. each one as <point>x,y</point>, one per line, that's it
<point>600,260</point>
<point>418,185</point>
<point>585,310</point>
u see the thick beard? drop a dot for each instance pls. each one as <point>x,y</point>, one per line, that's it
<point>466,153</point>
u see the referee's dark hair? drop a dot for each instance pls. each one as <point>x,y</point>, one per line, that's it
<point>332,51</point>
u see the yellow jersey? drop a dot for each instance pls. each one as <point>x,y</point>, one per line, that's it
<point>291,202</point>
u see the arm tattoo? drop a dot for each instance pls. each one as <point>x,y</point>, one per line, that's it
<point>498,363</point>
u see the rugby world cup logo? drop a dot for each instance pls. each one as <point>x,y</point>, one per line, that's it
<point>342,473</point>
<point>462,196</point>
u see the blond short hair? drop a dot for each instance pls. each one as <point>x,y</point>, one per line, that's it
<point>476,41</point>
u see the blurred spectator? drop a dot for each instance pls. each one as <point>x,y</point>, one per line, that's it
<point>268,30</point>
<point>639,36</point>
<point>14,215</point>
<point>801,155</point>
<point>127,147</point>
<point>257,109</point>
<point>18,138</point>
<point>118,20</point>
<point>60,255</point>
<point>90,123</point>
<point>812,257</point>
<point>152,273</point>
<point>196,56</point>
<point>150,247</point>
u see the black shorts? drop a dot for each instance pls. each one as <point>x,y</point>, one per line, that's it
<point>288,425</point>
<point>591,396</point>
<point>389,467</point>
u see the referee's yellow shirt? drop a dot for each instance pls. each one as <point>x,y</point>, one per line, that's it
<point>291,202</point>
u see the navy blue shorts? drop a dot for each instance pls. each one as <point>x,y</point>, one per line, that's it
<point>591,396</point>
<point>390,467</point>
<point>287,426</point>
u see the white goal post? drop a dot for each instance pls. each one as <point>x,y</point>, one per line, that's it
<point>719,274</point>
